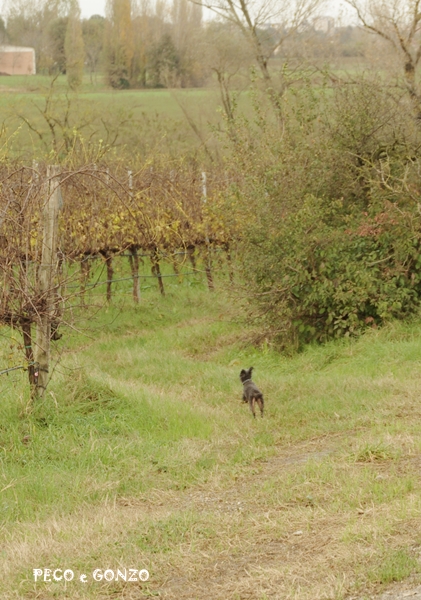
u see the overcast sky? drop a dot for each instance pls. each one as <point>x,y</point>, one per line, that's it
<point>92,7</point>
<point>97,7</point>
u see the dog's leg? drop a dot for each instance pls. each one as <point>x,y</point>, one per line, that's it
<point>261,405</point>
<point>251,404</point>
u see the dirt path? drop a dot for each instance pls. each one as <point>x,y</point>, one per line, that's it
<point>208,543</point>
<point>397,592</point>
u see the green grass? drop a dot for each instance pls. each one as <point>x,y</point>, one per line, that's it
<point>151,121</point>
<point>141,453</point>
<point>395,565</point>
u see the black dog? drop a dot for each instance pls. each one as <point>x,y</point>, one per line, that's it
<point>251,392</point>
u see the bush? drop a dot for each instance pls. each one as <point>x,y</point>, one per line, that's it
<point>332,242</point>
<point>316,280</point>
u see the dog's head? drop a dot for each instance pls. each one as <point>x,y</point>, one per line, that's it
<point>245,374</point>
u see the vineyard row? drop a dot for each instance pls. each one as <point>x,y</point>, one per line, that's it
<point>51,218</point>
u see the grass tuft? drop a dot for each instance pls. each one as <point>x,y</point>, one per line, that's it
<point>395,565</point>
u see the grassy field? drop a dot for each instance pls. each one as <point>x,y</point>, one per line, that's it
<point>142,122</point>
<point>142,456</point>
<point>147,121</point>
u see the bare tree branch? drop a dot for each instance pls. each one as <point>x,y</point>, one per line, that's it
<point>251,17</point>
<point>399,24</point>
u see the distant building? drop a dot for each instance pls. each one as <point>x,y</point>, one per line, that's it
<point>17,60</point>
<point>324,24</point>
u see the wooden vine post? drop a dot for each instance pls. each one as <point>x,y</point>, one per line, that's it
<point>208,262</point>
<point>46,275</point>
<point>133,256</point>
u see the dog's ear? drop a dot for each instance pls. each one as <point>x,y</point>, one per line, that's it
<point>243,372</point>
<point>250,370</point>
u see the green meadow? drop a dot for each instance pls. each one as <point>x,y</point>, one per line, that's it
<point>149,121</point>
<point>142,456</point>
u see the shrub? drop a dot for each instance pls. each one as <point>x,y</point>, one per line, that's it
<point>316,279</point>
<point>332,239</point>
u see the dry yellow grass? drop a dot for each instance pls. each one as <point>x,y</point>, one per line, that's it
<point>230,538</point>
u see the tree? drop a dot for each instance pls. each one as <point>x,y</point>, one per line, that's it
<point>141,37</point>
<point>187,35</point>
<point>73,47</point>
<point>252,18</point>
<point>28,24</point>
<point>3,32</point>
<point>93,39</point>
<point>119,43</point>
<point>398,23</point>
<point>229,57</point>
<point>150,24</point>
<point>57,35</point>
<point>164,63</point>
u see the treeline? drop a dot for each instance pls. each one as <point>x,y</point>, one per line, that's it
<point>136,46</point>
<point>159,45</point>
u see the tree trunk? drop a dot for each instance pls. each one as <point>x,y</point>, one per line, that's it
<point>29,353</point>
<point>412,90</point>
<point>208,269</point>
<point>46,275</point>
<point>110,274</point>
<point>85,268</point>
<point>157,271</point>
<point>192,257</point>
<point>134,266</point>
<point>229,261</point>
